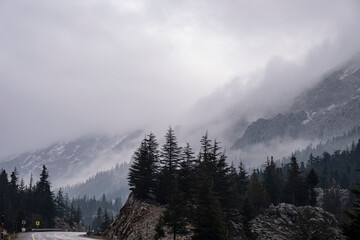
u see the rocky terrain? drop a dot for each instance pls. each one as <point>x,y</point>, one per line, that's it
<point>285,221</point>
<point>329,109</point>
<point>138,219</point>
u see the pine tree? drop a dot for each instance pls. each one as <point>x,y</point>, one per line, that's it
<point>186,176</point>
<point>312,181</point>
<point>242,180</point>
<point>332,200</point>
<point>209,223</point>
<point>96,224</point>
<point>174,216</point>
<point>295,191</point>
<point>142,173</point>
<point>352,227</point>
<point>170,156</point>
<point>206,148</point>
<point>257,195</point>
<point>106,222</point>
<point>272,181</point>
<point>5,190</point>
<point>44,198</point>
<point>78,215</point>
<point>324,179</point>
<point>170,153</point>
<point>14,180</point>
<point>60,204</point>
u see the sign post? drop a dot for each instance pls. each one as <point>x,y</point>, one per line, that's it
<point>2,226</point>
<point>23,222</point>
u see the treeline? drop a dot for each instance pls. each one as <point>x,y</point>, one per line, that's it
<point>344,141</point>
<point>95,211</point>
<point>206,192</point>
<point>31,203</point>
<point>37,202</point>
<point>340,166</point>
<point>111,182</point>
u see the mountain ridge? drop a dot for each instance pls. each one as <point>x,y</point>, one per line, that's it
<point>329,109</point>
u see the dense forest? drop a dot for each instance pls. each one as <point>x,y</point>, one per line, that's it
<point>202,190</point>
<point>30,203</point>
<point>37,202</point>
<point>205,191</point>
<point>97,211</point>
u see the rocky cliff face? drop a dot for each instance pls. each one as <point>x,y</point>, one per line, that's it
<point>329,109</point>
<point>285,221</point>
<point>137,220</point>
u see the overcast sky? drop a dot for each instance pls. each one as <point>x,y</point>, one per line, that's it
<point>73,67</point>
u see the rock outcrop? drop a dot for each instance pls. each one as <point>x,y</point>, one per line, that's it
<point>137,220</point>
<point>285,221</point>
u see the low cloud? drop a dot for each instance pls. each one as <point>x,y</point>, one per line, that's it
<point>70,68</point>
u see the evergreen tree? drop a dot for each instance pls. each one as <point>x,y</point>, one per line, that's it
<point>44,199</point>
<point>295,191</point>
<point>257,195</point>
<point>352,227</point>
<point>324,179</point>
<point>312,181</point>
<point>206,148</point>
<point>174,216</point>
<point>170,153</point>
<point>332,200</point>
<point>61,207</point>
<point>77,216</point>
<point>209,223</point>
<point>187,174</point>
<point>272,181</point>
<point>96,224</point>
<point>242,180</point>
<point>5,190</point>
<point>22,186</point>
<point>106,222</point>
<point>170,159</point>
<point>142,173</point>
<point>14,180</point>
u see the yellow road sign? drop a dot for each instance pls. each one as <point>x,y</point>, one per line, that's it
<point>37,223</point>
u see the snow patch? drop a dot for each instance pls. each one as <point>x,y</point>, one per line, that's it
<point>58,150</point>
<point>351,70</point>
<point>308,119</point>
<point>331,107</point>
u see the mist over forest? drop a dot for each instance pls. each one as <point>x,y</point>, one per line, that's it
<point>258,97</point>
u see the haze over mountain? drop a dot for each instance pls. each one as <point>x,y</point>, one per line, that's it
<point>327,110</point>
<point>254,74</point>
<point>75,161</point>
<point>74,68</point>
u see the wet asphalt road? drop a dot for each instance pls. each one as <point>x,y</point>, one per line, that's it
<point>51,236</point>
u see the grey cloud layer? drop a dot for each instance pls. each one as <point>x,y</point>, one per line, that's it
<point>72,67</point>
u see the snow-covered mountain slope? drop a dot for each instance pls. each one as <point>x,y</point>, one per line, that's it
<point>75,161</point>
<point>329,109</point>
